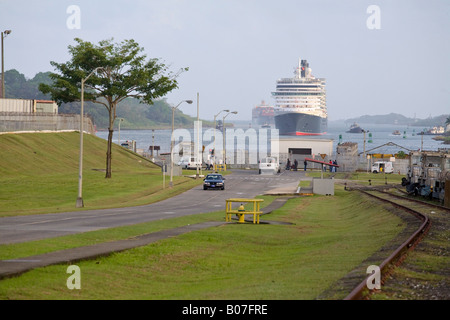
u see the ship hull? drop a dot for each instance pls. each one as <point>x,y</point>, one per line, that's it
<point>355,130</point>
<point>300,124</point>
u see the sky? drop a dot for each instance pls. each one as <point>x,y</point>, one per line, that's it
<point>391,58</point>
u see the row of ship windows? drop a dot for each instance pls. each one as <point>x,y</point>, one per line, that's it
<point>306,100</point>
<point>299,86</point>
<point>298,93</point>
<point>299,106</point>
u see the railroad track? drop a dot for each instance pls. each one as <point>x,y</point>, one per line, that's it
<point>420,210</point>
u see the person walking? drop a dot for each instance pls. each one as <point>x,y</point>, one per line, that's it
<point>295,164</point>
<point>288,164</point>
<point>305,164</point>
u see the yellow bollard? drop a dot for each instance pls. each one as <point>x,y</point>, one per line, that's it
<point>242,215</point>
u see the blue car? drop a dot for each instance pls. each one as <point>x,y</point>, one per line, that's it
<point>214,181</point>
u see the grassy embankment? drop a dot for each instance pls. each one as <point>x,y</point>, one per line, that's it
<point>39,174</point>
<point>330,237</point>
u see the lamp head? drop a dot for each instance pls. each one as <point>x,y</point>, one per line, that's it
<point>235,112</point>
<point>189,101</point>
<point>7,32</point>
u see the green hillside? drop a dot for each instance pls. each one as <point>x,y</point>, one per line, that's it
<point>135,115</point>
<point>39,174</point>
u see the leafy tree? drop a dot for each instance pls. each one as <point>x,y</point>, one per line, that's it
<point>400,155</point>
<point>15,83</point>
<point>18,87</point>
<point>124,73</point>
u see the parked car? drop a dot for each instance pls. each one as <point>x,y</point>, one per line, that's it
<point>382,166</point>
<point>189,163</point>
<point>269,165</point>
<point>214,181</point>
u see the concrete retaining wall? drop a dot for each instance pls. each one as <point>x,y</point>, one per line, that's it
<point>23,122</point>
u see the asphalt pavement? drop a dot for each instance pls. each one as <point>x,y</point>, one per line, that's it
<point>239,184</point>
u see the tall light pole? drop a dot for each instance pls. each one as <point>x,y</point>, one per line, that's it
<point>421,144</point>
<point>118,139</point>
<point>80,203</point>
<point>215,127</point>
<point>224,149</point>
<point>364,144</point>
<point>171,141</point>
<point>198,139</point>
<point>4,34</point>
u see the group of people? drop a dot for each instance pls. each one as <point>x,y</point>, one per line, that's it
<point>332,168</point>
<point>293,166</point>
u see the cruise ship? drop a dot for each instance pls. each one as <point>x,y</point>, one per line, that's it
<point>300,107</point>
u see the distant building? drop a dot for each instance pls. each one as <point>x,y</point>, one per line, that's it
<point>28,115</point>
<point>28,106</point>
<point>301,148</point>
<point>347,156</point>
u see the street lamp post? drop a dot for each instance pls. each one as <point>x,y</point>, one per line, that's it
<point>198,140</point>
<point>153,144</point>
<point>215,134</point>
<point>4,34</point>
<point>364,144</point>
<point>171,141</point>
<point>80,203</point>
<point>118,139</point>
<point>224,149</point>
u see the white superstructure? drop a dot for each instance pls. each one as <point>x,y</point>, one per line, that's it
<point>300,107</point>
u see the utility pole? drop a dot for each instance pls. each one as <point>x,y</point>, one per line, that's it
<point>198,139</point>
<point>4,34</point>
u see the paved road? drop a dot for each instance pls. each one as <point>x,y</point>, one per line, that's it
<point>239,184</point>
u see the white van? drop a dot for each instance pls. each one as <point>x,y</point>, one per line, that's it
<point>269,165</point>
<point>189,163</point>
<point>382,166</point>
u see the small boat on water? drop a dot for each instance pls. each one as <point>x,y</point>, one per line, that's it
<point>396,133</point>
<point>435,131</point>
<point>355,128</point>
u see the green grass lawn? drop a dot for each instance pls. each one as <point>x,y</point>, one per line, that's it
<point>39,174</point>
<point>330,237</point>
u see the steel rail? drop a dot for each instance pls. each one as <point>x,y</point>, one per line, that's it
<point>396,256</point>
<point>415,200</point>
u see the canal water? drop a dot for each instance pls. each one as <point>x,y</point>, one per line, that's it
<point>378,137</point>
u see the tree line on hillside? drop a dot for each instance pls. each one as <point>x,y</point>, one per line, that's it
<point>136,115</point>
<point>398,119</point>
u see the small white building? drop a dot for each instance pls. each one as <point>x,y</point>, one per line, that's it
<point>301,148</point>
